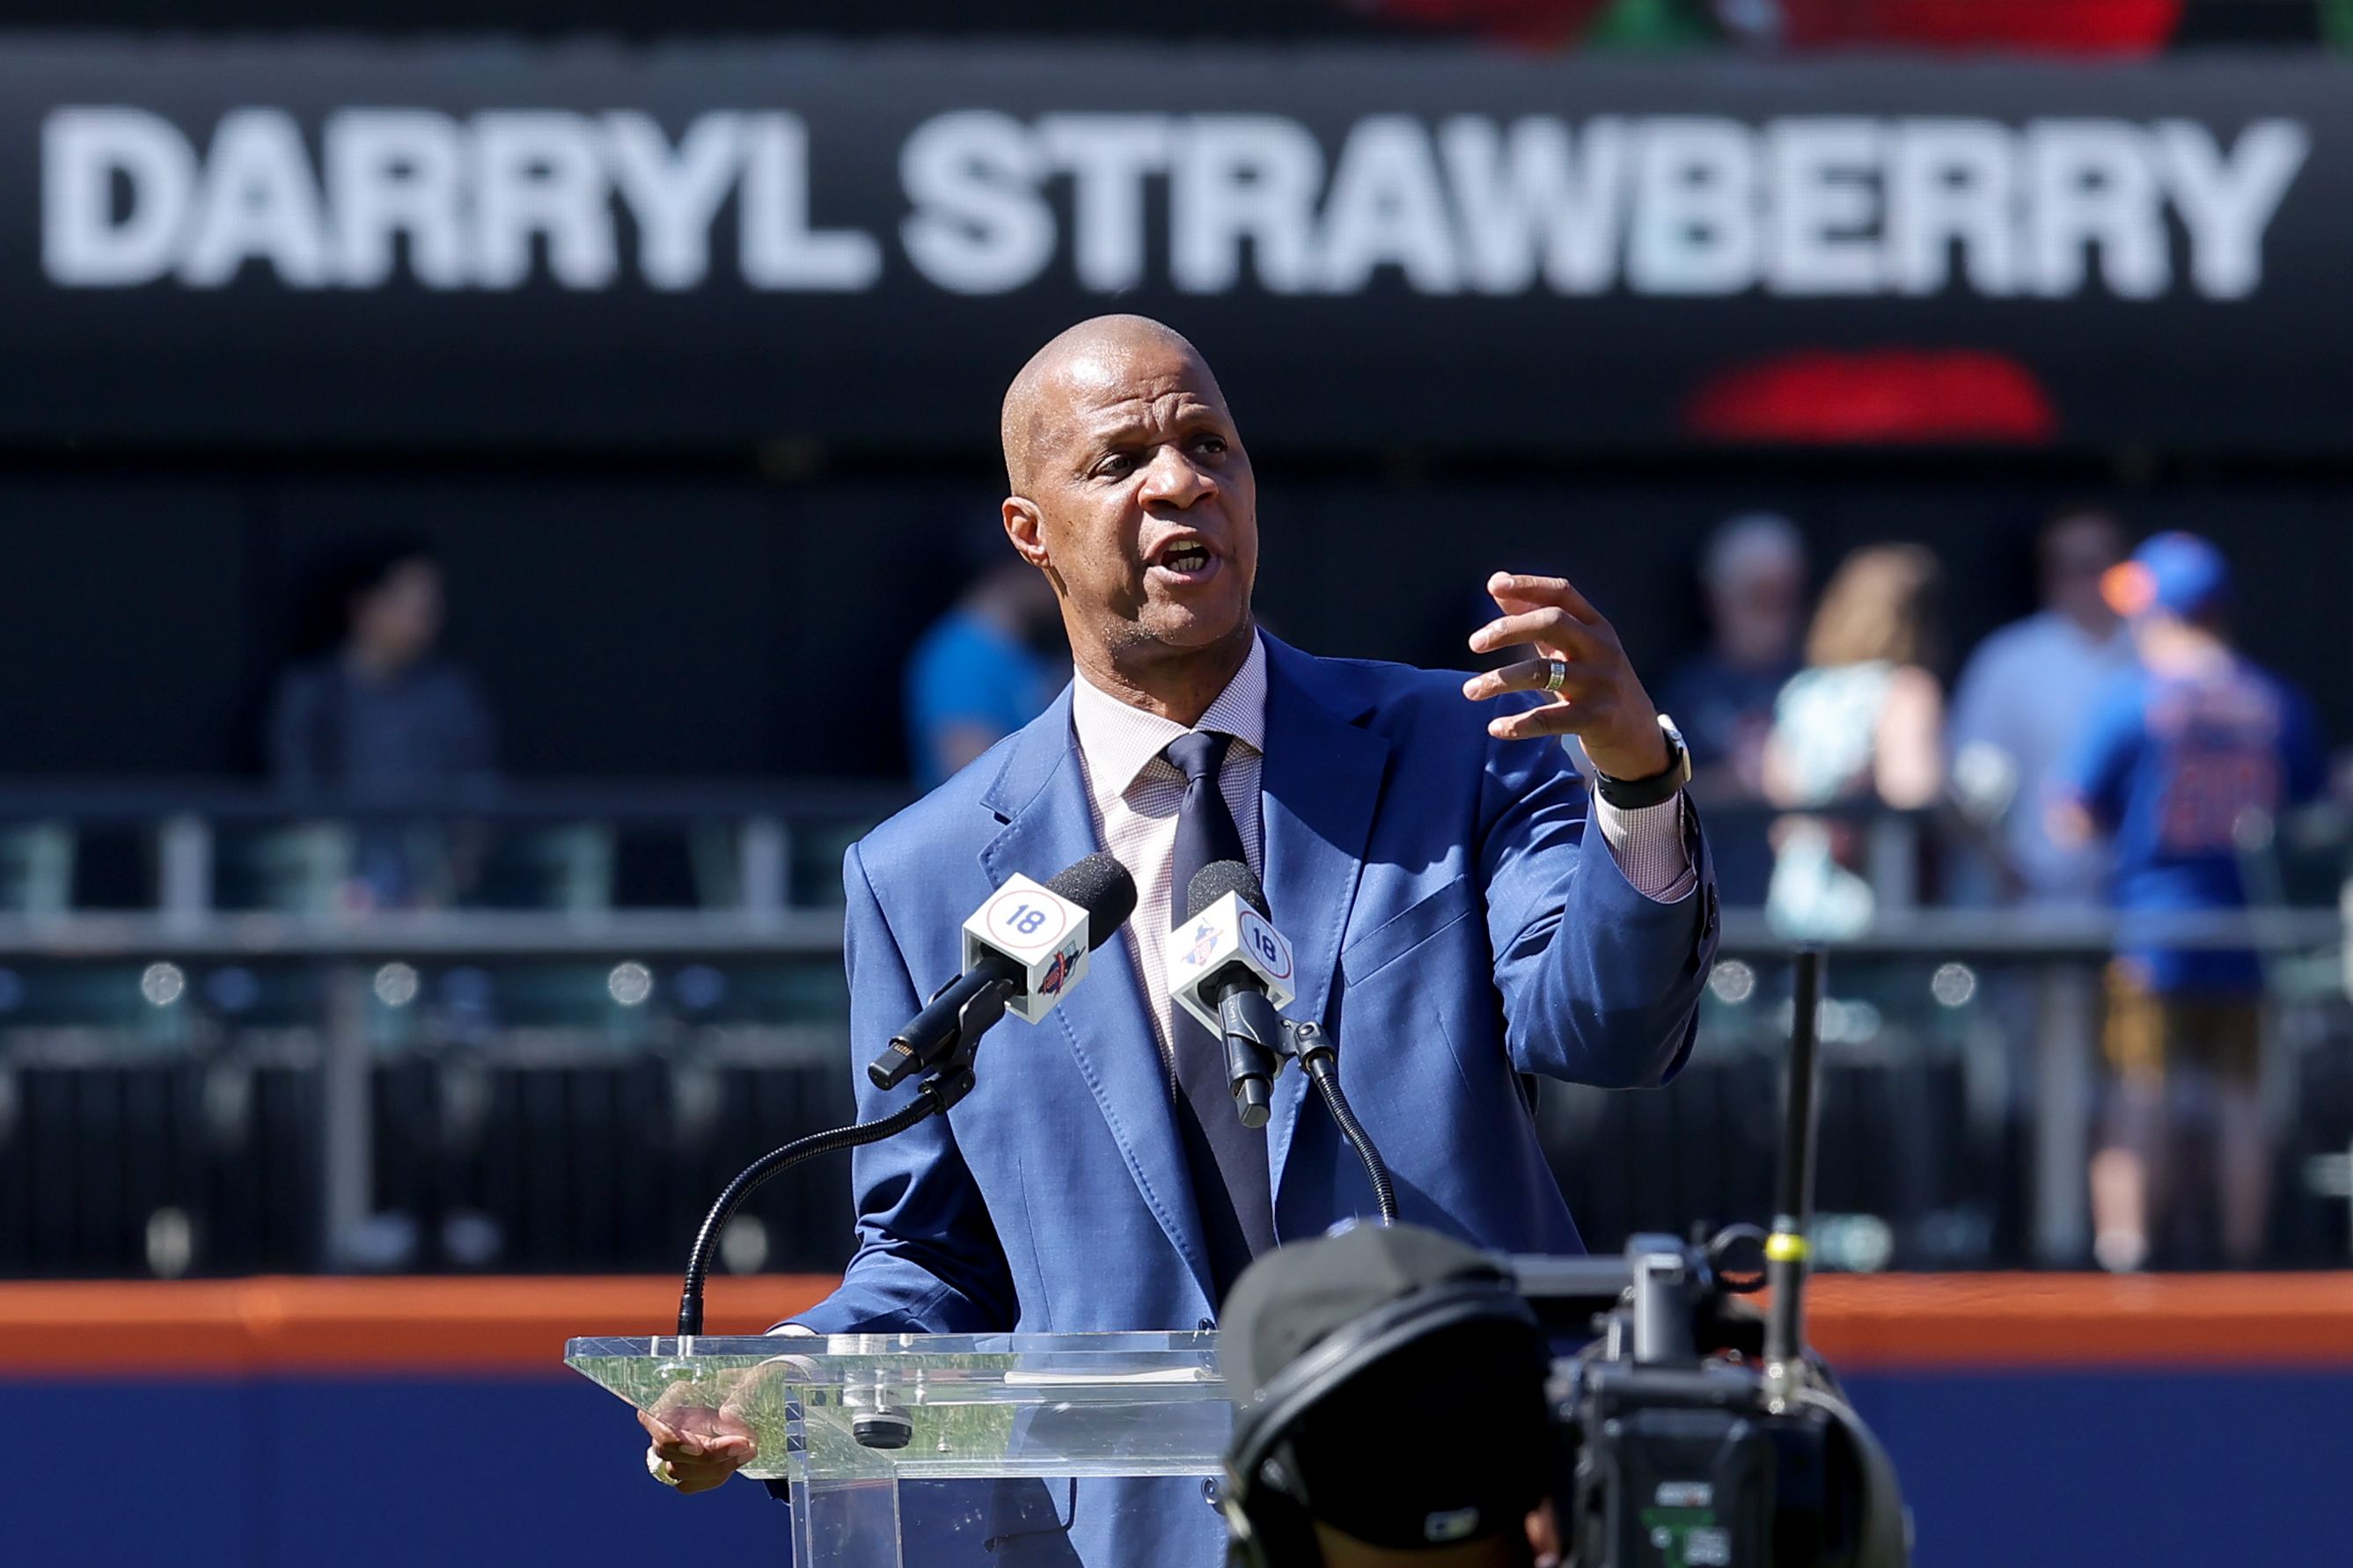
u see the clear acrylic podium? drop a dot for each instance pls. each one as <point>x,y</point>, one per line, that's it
<point>867,1429</point>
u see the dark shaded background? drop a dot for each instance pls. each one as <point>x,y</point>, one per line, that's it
<point>694,619</point>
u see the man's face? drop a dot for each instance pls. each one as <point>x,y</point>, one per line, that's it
<point>396,623</point>
<point>1140,500</point>
<point>1756,608</point>
<point>2074,558</point>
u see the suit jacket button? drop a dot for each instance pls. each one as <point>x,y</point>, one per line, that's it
<point>1206,1324</point>
<point>1210,1491</point>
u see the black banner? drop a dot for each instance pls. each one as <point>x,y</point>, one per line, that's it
<point>337,244</point>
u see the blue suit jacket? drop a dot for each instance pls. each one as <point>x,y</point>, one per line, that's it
<point>1452,929</point>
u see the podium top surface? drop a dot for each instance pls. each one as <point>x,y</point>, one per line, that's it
<point>844,1407</point>
<point>834,1357</point>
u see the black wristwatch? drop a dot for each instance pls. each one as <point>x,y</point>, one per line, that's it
<point>1633,794</point>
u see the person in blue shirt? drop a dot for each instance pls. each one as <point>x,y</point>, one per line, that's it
<point>382,725</point>
<point>1753,573</point>
<point>2184,764</point>
<point>975,676</point>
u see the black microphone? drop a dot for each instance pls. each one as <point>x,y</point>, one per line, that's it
<point>1235,983</point>
<point>1020,949</point>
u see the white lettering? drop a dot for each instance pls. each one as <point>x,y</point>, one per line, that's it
<point>84,244</point>
<point>1824,238</point>
<point>540,172</point>
<point>673,194</point>
<point>1949,183</point>
<point>1525,193</point>
<point>258,200</point>
<point>779,248</point>
<point>2090,183</point>
<point>1237,177</point>
<point>1108,156</point>
<point>1386,207</point>
<point>979,225</point>
<point>394,172</point>
<point>2226,203</point>
<point>1695,229</point>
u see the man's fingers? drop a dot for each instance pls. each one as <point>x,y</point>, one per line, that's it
<point>1529,675</point>
<point>1552,626</point>
<point>701,1472</point>
<point>1533,590</point>
<point>1551,719</point>
<point>698,1447</point>
<point>656,1427</point>
<point>698,1475</point>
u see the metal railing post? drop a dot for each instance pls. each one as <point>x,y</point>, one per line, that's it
<point>1893,864</point>
<point>763,848</point>
<point>2066,1015</point>
<point>346,1145</point>
<point>183,870</point>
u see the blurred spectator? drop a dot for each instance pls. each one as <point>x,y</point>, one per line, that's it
<point>1753,575</point>
<point>2022,701</point>
<point>2186,763</point>
<point>380,715</point>
<point>1859,724</point>
<point>977,675</point>
<point>380,720</point>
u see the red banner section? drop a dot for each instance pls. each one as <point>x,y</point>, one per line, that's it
<point>507,1327</point>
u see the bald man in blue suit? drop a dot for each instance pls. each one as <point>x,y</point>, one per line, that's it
<point>1466,915</point>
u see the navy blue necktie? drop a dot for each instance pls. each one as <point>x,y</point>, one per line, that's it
<point>1230,1186</point>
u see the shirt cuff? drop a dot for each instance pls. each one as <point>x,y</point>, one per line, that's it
<point>1648,845</point>
<point>794,1331</point>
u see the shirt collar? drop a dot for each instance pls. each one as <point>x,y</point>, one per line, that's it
<point>1120,742</point>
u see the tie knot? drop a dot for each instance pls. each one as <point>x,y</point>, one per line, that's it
<point>1198,754</point>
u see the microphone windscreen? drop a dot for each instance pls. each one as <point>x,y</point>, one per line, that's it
<point>1100,885</point>
<point>1219,878</point>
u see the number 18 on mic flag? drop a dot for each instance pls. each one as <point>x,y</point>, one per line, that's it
<point>1228,932</point>
<point>1038,928</point>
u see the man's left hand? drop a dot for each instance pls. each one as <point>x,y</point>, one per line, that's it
<point>1600,700</point>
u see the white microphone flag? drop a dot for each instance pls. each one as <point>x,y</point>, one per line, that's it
<point>1042,932</point>
<point>1228,931</point>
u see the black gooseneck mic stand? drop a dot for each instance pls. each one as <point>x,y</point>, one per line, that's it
<point>933,1097</point>
<point>1321,1061</point>
<point>1793,1197</point>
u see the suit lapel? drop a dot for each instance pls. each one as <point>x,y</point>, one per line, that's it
<point>1041,795</point>
<point>1321,780</point>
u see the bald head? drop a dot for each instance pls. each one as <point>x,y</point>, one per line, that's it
<point>1093,360</point>
<point>1131,493</point>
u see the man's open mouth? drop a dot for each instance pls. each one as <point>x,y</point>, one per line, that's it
<point>1186,556</point>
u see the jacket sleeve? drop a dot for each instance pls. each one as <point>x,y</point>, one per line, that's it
<point>928,1259</point>
<point>1599,983</point>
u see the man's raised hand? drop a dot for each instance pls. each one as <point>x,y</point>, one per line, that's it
<point>1599,699</point>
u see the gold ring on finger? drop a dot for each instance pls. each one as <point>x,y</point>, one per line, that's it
<point>1555,672</point>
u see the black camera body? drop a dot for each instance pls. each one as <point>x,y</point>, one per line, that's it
<point>1692,1430</point>
<point>1679,1449</point>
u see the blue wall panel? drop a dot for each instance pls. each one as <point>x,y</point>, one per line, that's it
<point>2041,1472</point>
<point>363,1473</point>
<point>2148,1470</point>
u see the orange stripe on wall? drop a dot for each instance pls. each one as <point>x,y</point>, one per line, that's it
<point>517,1326</point>
<point>247,1327</point>
<point>1989,1321</point>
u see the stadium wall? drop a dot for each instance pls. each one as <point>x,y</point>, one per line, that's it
<point>2037,1419</point>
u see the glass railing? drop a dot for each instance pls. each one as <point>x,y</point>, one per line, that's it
<point>215,1084</point>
